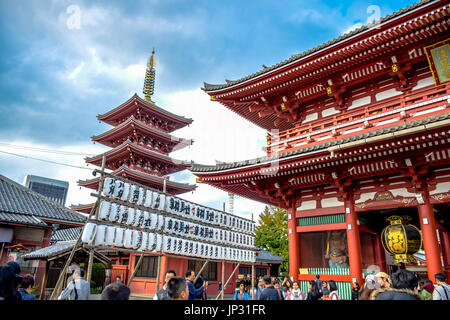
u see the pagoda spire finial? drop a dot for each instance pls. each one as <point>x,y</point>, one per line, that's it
<point>149,82</point>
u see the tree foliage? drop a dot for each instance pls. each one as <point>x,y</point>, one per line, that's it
<point>271,234</point>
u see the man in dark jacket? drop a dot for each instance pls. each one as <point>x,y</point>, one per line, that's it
<point>404,287</point>
<point>269,293</point>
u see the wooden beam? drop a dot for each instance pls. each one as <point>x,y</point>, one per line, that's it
<point>77,243</point>
<point>223,278</point>
<point>158,274</point>
<point>253,281</point>
<point>225,285</point>
<point>136,268</point>
<point>201,269</point>
<point>44,281</point>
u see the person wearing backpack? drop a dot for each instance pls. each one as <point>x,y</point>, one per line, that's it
<point>441,289</point>
<point>77,289</point>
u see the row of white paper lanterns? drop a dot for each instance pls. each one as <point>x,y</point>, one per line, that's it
<point>152,199</point>
<point>116,213</point>
<point>113,236</point>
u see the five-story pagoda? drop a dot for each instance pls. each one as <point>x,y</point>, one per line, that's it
<point>141,141</point>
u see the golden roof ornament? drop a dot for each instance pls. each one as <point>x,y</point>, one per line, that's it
<point>149,82</point>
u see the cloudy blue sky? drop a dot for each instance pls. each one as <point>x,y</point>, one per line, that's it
<point>64,62</point>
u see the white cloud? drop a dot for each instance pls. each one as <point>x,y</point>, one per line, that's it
<point>19,167</point>
<point>218,134</point>
<point>353,27</point>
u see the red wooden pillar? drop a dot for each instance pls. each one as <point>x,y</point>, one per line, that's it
<point>353,242</point>
<point>162,274</point>
<point>294,247</point>
<point>430,241</point>
<point>445,246</point>
<point>380,255</point>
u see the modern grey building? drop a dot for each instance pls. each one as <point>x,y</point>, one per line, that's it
<point>54,190</point>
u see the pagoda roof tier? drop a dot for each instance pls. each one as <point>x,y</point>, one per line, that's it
<point>136,155</point>
<point>272,180</point>
<point>172,187</point>
<point>146,112</point>
<point>133,129</point>
<point>264,97</point>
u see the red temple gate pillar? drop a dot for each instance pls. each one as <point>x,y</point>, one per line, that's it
<point>162,272</point>
<point>380,256</point>
<point>294,247</point>
<point>445,246</point>
<point>430,241</point>
<point>353,242</point>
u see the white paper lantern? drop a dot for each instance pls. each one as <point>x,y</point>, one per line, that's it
<point>148,198</point>
<point>138,219</point>
<point>100,236</point>
<point>195,248</point>
<point>134,193</point>
<point>110,235</point>
<point>170,204</point>
<point>156,200</point>
<point>137,239</point>
<point>160,222</point>
<point>147,219</point>
<point>144,242</point>
<point>108,186</point>
<point>228,253</point>
<point>89,232</point>
<point>216,217</point>
<point>181,247</point>
<point>167,244</point>
<point>123,214</point>
<point>190,250</point>
<point>140,200</point>
<point>119,237</point>
<point>169,224</point>
<point>193,214</point>
<point>153,221</point>
<point>103,211</point>
<point>118,189</point>
<point>151,241</point>
<point>131,216</point>
<point>126,192</point>
<point>162,202</point>
<point>128,239</point>
<point>114,212</point>
<point>158,242</point>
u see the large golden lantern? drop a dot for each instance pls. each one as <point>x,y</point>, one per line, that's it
<point>401,239</point>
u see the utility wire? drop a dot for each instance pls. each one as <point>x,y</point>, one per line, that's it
<point>68,153</point>
<point>49,161</point>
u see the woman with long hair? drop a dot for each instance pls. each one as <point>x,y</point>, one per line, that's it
<point>313,293</point>
<point>332,288</point>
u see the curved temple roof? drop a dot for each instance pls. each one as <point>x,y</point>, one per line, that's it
<point>162,113</point>
<point>200,169</point>
<point>297,57</point>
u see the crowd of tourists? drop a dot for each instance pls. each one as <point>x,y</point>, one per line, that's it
<point>402,285</point>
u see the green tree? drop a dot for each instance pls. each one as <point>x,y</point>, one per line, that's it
<point>271,234</point>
